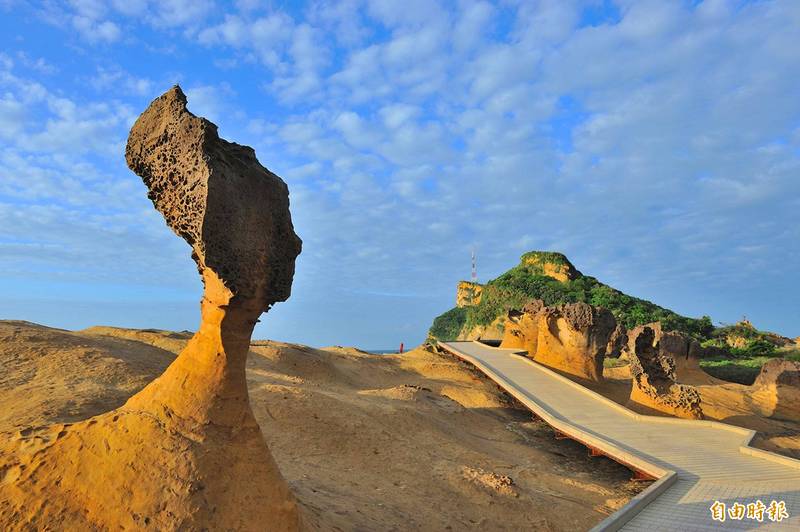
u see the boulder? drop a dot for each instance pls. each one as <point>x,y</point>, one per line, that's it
<point>572,338</point>
<point>654,378</point>
<point>778,387</point>
<point>185,453</point>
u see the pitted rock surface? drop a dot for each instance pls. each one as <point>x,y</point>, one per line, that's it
<point>684,350</point>
<point>654,379</point>
<point>218,197</point>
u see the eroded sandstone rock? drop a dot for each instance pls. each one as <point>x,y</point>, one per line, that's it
<point>654,378</point>
<point>685,351</point>
<point>572,338</point>
<point>186,451</point>
<point>468,294</point>
<point>617,341</point>
<point>778,387</point>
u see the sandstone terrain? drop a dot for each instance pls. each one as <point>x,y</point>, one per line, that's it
<point>417,441</point>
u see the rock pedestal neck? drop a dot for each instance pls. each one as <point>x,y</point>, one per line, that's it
<point>185,452</point>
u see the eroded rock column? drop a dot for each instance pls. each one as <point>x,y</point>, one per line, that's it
<point>186,452</point>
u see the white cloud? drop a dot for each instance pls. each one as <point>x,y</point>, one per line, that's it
<point>120,80</point>
<point>411,13</point>
<point>94,31</point>
<point>342,18</point>
<point>395,115</point>
<point>473,22</point>
<point>267,36</point>
<point>12,116</point>
<point>178,13</point>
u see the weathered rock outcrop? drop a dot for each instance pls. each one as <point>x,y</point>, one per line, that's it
<point>654,379</point>
<point>684,350</point>
<point>572,337</point>
<point>778,385</point>
<point>468,294</point>
<point>617,341</point>
<point>186,451</point>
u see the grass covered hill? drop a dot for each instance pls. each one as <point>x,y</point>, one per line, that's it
<point>552,278</point>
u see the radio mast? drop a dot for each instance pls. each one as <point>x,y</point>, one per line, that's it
<point>474,268</point>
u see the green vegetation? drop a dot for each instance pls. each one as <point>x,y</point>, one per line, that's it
<point>741,370</point>
<point>609,362</point>
<point>757,347</point>
<point>523,283</point>
<point>749,342</point>
<point>552,257</point>
<point>742,366</point>
<point>447,326</point>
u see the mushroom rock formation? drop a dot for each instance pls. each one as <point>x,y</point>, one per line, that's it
<point>186,451</point>
<point>777,387</point>
<point>654,384</point>
<point>684,350</point>
<point>572,338</point>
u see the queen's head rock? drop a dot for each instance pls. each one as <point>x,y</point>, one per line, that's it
<point>185,453</point>
<point>219,198</point>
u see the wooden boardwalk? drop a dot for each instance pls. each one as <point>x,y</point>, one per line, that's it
<point>696,462</point>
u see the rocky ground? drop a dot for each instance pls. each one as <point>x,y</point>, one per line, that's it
<point>389,442</point>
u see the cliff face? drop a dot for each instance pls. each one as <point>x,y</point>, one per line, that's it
<point>468,294</point>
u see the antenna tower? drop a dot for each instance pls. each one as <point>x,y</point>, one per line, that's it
<point>474,268</point>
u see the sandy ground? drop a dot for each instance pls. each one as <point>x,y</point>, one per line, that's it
<point>367,442</point>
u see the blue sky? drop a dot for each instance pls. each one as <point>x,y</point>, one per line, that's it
<point>656,143</point>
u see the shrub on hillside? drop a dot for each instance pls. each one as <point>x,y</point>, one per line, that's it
<point>448,325</point>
